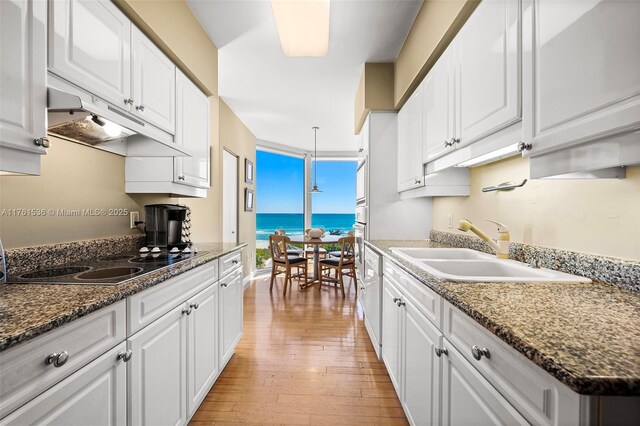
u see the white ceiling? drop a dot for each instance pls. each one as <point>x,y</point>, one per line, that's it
<point>280,98</point>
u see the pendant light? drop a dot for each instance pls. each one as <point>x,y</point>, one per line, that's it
<point>315,158</point>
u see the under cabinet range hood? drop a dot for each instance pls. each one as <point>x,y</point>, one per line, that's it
<point>78,116</point>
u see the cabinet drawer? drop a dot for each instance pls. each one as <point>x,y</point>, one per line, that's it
<point>24,371</point>
<point>426,300</point>
<point>147,306</point>
<point>229,262</point>
<point>533,392</point>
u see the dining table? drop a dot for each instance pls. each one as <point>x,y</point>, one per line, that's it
<point>316,243</point>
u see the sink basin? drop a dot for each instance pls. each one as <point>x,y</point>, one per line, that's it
<point>439,253</point>
<point>470,265</point>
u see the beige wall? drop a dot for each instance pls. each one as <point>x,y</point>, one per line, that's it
<point>598,216</point>
<point>236,138</point>
<point>437,23</point>
<point>75,176</point>
<point>375,91</point>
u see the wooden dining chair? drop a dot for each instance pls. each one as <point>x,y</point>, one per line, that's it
<point>291,249</point>
<point>343,266</point>
<point>336,253</point>
<point>308,249</point>
<point>283,263</point>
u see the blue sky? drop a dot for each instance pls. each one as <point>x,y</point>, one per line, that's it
<point>280,185</point>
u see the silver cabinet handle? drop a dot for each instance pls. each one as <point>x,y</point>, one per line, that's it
<point>186,311</point>
<point>524,147</point>
<point>223,284</point>
<point>57,359</point>
<point>455,140</point>
<point>417,181</point>
<point>181,177</point>
<point>124,355</point>
<point>396,300</point>
<point>140,108</point>
<point>400,303</point>
<point>446,144</point>
<point>441,351</point>
<point>128,101</point>
<point>361,149</point>
<point>479,353</point>
<point>43,142</point>
<point>195,305</point>
<point>234,261</point>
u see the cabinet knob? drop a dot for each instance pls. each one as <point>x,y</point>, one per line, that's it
<point>181,177</point>
<point>128,101</point>
<point>186,311</point>
<point>140,108</point>
<point>479,353</point>
<point>124,355</point>
<point>455,140</point>
<point>195,305</point>
<point>57,359</point>
<point>396,300</point>
<point>418,181</point>
<point>361,149</point>
<point>223,284</point>
<point>446,144</point>
<point>441,351</point>
<point>43,142</point>
<point>524,147</point>
<point>400,303</point>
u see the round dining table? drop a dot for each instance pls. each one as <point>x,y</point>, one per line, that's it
<point>316,243</point>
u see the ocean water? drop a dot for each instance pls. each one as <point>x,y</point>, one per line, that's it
<point>293,223</point>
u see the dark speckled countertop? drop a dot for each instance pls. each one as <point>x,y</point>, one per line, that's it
<point>28,310</point>
<point>585,335</point>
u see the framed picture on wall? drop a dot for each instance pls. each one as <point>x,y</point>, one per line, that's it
<point>248,200</point>
<point>248,171</point>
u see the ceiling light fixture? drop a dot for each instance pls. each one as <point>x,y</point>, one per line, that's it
<point>303,26</point>
<point>315,158</point>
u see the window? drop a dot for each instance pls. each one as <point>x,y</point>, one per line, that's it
<point>334,208</point>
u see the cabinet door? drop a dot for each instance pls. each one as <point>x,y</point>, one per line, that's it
<point>488,70</point>
<point>90,45</point>
<point>23,75</point>
<point>153,84</point>
<point>372,283</point>
<point>581,71</point>
<point>230,315</point>
<point>202,345</point>
<point>391,332</point>
<point>468,398</point>
<point>421,372</point>
<point>157,372</point>
<point>192,133</point>
<point>410,167</point>
<point>438,110</point>
<point>93,395</point>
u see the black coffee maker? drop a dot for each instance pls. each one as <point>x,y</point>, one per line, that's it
<point>164,225</point>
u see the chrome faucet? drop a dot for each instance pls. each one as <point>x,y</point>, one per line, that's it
<point>501,248</point>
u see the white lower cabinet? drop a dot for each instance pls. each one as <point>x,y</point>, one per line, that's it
<point>230,306</point>
<point>469,399</point>
<point>94,395</point>
<point>158,371</point>
<point>149,360</point>
<point>202,345</point>
<point>409,352</point>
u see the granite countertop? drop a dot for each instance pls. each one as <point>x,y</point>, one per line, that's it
<point>585,335</point>
<point>29,310</point>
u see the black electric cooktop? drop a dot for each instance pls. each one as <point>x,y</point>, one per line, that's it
<point>107,270</point>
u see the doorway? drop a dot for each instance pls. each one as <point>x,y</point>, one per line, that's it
<point>229,197</point>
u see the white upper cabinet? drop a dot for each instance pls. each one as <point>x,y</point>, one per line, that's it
<point>438,112</point>
<point>410,166</point>
<point>192,133</point>
<point>154,83</point>
<point>90,45</point>
<point>23,77</point>
<point>581,71</point>
<point>488,70</point>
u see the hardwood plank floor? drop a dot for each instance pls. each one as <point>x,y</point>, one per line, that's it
<point>305,358</point>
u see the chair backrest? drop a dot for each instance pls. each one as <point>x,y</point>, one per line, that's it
<point>280,232</point>
<point>347,251</point>
<point>278,248</point>
<point>351,233</point>
<point>306,231</point>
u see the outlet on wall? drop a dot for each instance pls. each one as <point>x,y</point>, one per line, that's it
<point>133,218</point>
<point>450,221</point>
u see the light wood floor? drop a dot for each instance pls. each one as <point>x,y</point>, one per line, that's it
<point>305,358</point>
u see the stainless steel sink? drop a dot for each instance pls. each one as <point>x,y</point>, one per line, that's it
<point>470,265</point>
